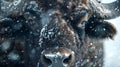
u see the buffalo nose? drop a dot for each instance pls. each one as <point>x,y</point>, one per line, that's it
<point>58,58</point>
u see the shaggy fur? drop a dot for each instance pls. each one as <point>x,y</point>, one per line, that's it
<point>47,25</point>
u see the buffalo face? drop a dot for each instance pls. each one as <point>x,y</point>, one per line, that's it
<point>78,33</point>
<point>72,36</point>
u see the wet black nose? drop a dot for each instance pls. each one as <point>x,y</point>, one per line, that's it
<point>58,58</point>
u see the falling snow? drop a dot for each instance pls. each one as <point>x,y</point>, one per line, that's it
<point>13,51</point>
<point>5,46</point>
<point>13,56</point>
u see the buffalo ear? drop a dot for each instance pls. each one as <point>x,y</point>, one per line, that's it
<point>100,30</point>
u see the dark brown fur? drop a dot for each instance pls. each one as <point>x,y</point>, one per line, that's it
<point>68,27</point>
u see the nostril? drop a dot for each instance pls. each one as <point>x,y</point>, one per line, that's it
<point>47,60</point>
<point>67,60</point>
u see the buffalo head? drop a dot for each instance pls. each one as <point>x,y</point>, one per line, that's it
<point>72,32</point>
<point>73,36</point>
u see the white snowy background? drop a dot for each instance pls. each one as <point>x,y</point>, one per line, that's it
<point>112,47</point>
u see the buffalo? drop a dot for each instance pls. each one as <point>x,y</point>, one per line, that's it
<point>55,33</point>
